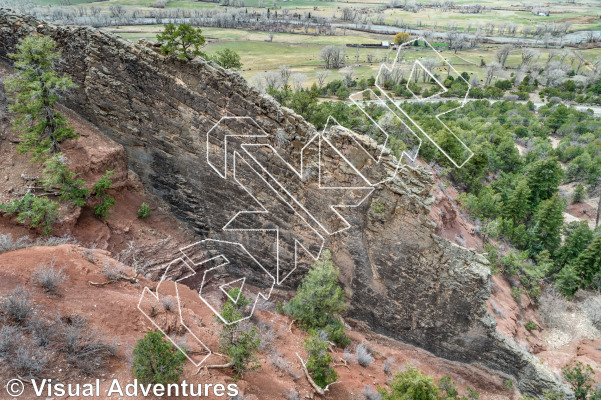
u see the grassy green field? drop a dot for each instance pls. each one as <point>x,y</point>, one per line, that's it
<point>301,52</point>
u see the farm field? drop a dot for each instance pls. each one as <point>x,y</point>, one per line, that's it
<point>301,52</point>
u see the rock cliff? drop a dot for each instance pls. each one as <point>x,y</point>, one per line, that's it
<point>399,277</point>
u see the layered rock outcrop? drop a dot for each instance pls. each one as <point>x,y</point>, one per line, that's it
<point>399,277</point>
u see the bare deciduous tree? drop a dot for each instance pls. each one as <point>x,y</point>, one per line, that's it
<point>491,71</point>
<point>502,54</point>
<point>321,76</point>
<point>285,74</point>
<point>429,65</point>
<point>271,79</point>
<point>529,56</point>
<point>347,75</point>
<point>333,56</point>
<point>298,79</point>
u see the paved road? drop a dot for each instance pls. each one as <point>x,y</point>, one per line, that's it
<point>572,37</point>
<point>537,104</point>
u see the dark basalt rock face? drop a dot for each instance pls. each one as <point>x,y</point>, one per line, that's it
<point>399,277</point>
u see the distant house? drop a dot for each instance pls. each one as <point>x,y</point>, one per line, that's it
<point>385,44</point>
<point>543,14</point>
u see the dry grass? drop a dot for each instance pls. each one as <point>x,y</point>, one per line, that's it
<point>567,321</point>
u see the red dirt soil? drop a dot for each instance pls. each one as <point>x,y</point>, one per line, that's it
<point>112,309</point>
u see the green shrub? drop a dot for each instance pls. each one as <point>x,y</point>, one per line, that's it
<point>239,343</point>
<point>157,361</point>
<point>319,300</point>
<point>279,307</point>
<point>335,331</point>
<point>411,384</point>
<point>531,326</point>
<point>580,378</point>
<point>567,281</point>
<point>144,211</point>
<point>447,385</point>
<point>318,363</point>
<point>588,263</point>
<point>343,93</point>
<point>227,58</point>
<point>58,175</point>
<point>33,211</point>
<point>100,189</point>
<point>516,294</point>
<point>378,206</point>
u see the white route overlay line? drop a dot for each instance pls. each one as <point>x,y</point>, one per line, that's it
<point>191,272</point>
<point>290,200</point>
<point>444,89</point>
<point>297,243</point>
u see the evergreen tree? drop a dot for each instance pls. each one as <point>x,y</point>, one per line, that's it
<point>33,211</point>
<point>544,177</point>
<point>100,190</point>
<point>508,155</point>
<point>472,172</point>
<point>517,207</point>
<point>579,193</point>
<point>578,236</point>
<point>548,221</point>
<point>580,377</point>
<point>58,175</point>
<point>182,40</point>
<point>567,281</point>
<point>451,147</point>
<point>588,264</point>
<point>319,298</point>
<point>557,118</point>
<point>34,90</point>
<point>228,58</point>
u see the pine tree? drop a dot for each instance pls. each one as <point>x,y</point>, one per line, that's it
<point>517,207</point>
<point>588,264</point>
<point>580,378</point>
<point>578,236</point>
<point>182,40</point>
<point>33,211</point>
<point>58,175</point>
<point>544,177</point>
<point>319,301</point>
<point>548,221</point>
<point>100,190</point>
<point>579,193</point>
<point>318,297</point>
<point>34,90</point>
<point>228,58</point>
